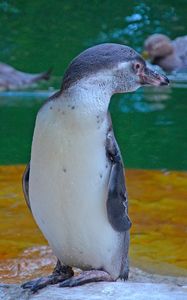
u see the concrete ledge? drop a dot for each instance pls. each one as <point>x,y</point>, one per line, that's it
<point>141,286</point>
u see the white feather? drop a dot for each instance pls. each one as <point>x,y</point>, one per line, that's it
<point>68,180</point>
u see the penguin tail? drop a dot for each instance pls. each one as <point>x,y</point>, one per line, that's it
<point>46,75</point>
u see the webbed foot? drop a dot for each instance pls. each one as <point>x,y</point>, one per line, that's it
<point>86,277</point>
<point>59,274</point>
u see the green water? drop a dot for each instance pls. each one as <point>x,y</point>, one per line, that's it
<point>150,124</point>
<point>38,34</point>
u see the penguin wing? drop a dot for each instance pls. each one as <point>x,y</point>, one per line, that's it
<point>25,184</point>
<point>117,201</point>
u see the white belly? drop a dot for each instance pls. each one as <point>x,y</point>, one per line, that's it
<point>68,192</point>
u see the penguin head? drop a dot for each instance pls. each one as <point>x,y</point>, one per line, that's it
<point>158,46</point>
<point>116,67</point>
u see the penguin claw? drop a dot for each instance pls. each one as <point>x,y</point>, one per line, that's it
<point>27,285</point>
<point>40,283</point>
<point>86,277</point>
<point>59,274</point>
<point>36,284</point>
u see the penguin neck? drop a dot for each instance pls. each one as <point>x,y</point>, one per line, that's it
<point>89,96</point>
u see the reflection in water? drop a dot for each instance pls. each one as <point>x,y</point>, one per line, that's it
<point>158,206</point>
<point>145,100</point>
<point>6,7</point>
<point>179,79</point>
<point>24,42</point>
<point>31,263</point>
<point>13,98</point>
<point>142,21</point>
<point>146,124</point>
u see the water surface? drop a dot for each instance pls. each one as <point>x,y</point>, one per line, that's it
<point>150,126</point>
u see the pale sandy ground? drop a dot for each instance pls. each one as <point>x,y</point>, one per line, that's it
<point>140,286</point>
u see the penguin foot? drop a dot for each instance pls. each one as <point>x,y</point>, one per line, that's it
<point>59,274</point>
<point>86,277</point>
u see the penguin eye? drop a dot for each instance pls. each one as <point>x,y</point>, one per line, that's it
<point>137,66</point>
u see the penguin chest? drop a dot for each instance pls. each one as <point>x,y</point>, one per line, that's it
<point>68,192</point>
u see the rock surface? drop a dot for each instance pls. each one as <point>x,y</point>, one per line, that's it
<point>141,286</point>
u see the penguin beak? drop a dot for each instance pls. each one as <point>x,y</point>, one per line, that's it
<point>145,54</point>
<point>151,77</point>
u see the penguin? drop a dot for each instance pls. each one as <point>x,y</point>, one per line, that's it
<point>12,79</point>
<point>169,55</point>
<point>74,183</point>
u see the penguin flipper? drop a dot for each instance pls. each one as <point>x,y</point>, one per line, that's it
<point>25,185</point>
<point>117,201</point>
